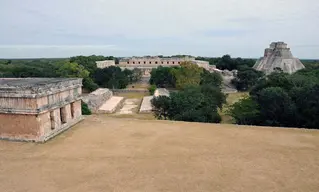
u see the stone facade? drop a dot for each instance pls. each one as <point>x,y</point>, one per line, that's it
<point>146,64</point>
<point>278,55</point>
<point>36,109</point>
<point>105,63</point>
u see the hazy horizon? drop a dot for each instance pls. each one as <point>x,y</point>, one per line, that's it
<point>61,29</point>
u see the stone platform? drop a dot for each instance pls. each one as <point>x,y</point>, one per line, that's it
<point>111,105</point>
<point>146,106</point>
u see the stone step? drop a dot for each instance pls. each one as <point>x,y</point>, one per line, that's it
<point>129,106</point>
<point>111,105</point>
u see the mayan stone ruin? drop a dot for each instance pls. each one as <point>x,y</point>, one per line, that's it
<point>102,100</point>
<point>36,109</point>
<point>278,55</point>
<point>146,64</point>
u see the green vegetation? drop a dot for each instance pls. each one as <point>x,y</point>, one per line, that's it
<point>79,67</point>
<point>85,109</point>
<point>152,89</point>
<point>115,78</point>
<point>226,62</point>
<point>246,79</point>
<point>198,99</point>
<point>162,77</point>
<point>282,100</point>
<point>187,75</point>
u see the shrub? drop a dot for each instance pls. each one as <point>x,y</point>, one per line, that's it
<point>152,89</point>
<point>85,109</point>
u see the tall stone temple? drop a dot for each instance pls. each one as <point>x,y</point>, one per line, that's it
<point>278,55</point>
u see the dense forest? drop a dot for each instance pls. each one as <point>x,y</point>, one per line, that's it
<point>79,66</point>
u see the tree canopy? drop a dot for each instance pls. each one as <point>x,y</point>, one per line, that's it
<point>187,75</point>
<point>281,100</point>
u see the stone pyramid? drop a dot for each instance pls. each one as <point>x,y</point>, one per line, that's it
<point>278,55</point>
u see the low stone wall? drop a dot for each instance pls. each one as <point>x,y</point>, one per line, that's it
<point>146,105</point>
<point>115,91</point>
<point>161,92</point>
<point>97,98</point>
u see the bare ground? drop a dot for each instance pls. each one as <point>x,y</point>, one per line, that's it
<point>113,154</point>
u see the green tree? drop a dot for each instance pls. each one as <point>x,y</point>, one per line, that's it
<point>245,112</point>
<point>74,70</point>
<point>161,105</point>
<point>152,89</point>
<point>246,79</point>
<point>193,103</point>
<point>276,107</point>
<point>212,79</point>
<point>68,69</point>
<point>306,99</point>
<point>112,77</point>
<point>162,77</point>
<point>187,75</point>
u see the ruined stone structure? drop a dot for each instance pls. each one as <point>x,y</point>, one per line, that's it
<point>36,109</point>
<point>105,63</point>
<point>146,64</point>
<point>103,101</point>
<point>146,105</point>
<point>278,55</point>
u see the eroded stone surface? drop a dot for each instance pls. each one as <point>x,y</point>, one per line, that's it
<point>36,109</point>
<point>111,105</point>
<point>128,106</point>
<point>97,98</point>
<point>278,55</point>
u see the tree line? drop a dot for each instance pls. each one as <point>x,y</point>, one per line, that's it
<point>79,66</point>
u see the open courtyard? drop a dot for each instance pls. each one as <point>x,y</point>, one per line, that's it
<point>112,154</point>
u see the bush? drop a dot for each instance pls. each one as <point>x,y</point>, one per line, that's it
<point>152,89</point>
<point>85,109</point>
<point>193,104</point>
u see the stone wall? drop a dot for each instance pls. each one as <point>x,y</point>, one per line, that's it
<point>36,109</point>
<point>19,127</point>
<point>97,98</point>
<point>105,63</point>
<point>117,91</point>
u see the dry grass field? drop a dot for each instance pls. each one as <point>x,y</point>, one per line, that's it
<point>113,154</point>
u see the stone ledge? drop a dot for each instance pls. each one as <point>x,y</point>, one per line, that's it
<point>146,106</point>
<point>37,87</point>
<point>111,105</point>
<point>38,111</point>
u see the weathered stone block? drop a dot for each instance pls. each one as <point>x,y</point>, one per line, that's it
<point>97,98</point>
<point>36,109</point>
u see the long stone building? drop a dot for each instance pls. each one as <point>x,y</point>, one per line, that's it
<point>36,109</point>
<point>146,64</point>
<point>278,55</point>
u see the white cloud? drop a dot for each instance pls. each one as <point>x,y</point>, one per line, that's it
<point>168,26</point>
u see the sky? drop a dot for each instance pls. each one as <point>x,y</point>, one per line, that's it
<point>241,28</point>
